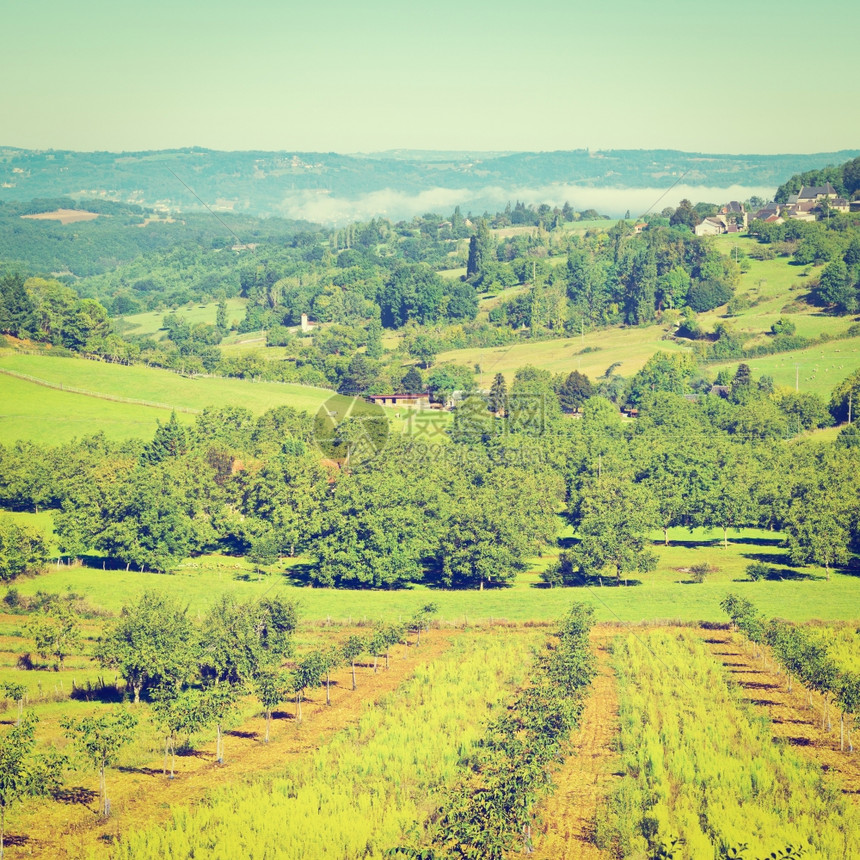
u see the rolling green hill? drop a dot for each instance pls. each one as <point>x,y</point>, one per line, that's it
<point>776,288</point>
<point>116,397</point>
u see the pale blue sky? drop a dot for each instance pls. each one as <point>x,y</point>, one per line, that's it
<point>733,76</point>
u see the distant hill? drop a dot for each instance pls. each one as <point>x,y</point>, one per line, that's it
<point>285,183</point>
<point>88,237</point>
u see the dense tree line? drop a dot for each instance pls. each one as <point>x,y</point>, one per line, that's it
<point>467,513</point>
<point>845,178</point>
<point>619,276</point>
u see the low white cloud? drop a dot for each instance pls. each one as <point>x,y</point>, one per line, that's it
<point>323,208</point>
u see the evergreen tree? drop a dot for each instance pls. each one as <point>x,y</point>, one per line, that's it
<point>221,318</point>
<point>498,395</point>
<point>16,307</point>
<point>481,250</point>
<point>412,383</point>
<point>374,339</point>
<point>170,440</point>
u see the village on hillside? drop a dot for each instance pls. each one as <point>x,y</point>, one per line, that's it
<point>806,205</point>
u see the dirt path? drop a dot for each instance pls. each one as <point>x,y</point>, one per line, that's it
<point>587,777</point>
<point>69,829</point>
<point>792,718</point>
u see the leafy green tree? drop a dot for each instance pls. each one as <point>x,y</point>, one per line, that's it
<point>16,692</point>
<point>238,639</point>
<point>271,686</point>
<point>360,376</point>
<point>352,649</point>
<point>482,249</point>
<point>374,348</point>
<point>23,772</point>
<point>445,379</point>
<point>331,658</point>
<point>741,383</point>
<point>308,672</point>
<point>99,739</point>
<point>685,215</point>
<point>846,398</point>
<point>221,323</point>
<point>424,348</point>
<point>23,549</point>
<point>16,307</point>
<point>284,499</point>
<point>150,516</point>
<point>152,643</point>
<point>848,699</point>
<point>376,527</point>
<point>412,383</point>
<point>730,499</point>
<point>804,410</point>
<point>835,287</point>
<point>574,391</point>
<point>178,712</point>
<point>615,518</point>
<point>817,529</point>
<point>57,632</point>
<point>421,619</point>
<point>663,372</point>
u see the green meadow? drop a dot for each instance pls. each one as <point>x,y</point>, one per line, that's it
<point>48,416</point>
<point>150,323</point>
<point>41,413</point>
<point>798,593</point>
<point>818,369</point>
<point>591,353</point>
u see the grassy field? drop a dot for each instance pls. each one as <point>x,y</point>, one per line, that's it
<point>800,594</point>
<point>150,323</point>
<point>631,347</point>
<point>818,369</point>
<point>702,767</point>
<point>46,414</point>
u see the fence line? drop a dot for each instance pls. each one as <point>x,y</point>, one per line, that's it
<point>59,386</point>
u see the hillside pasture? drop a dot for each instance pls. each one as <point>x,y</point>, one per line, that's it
<point>153,385</point>
<point>818,369</point>
<point>49,416</point>
<point>631,347</point>
<point>150,323</point>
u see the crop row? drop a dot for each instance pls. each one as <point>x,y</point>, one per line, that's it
<point>491,807</point>
<point>371,785</point>
<point>802,653</point>
<point>703,776</point>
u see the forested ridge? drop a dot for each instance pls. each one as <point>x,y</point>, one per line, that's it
<point>273,183</point>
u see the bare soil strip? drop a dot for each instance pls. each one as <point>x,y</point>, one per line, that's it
<point>70,828</point>
<point>64,216</point>
<point>794,722</point>
<point>589,774</point>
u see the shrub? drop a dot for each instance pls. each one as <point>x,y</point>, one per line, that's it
<point>701,570</point>
<point>783,326</point>
<point>757,570</point>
